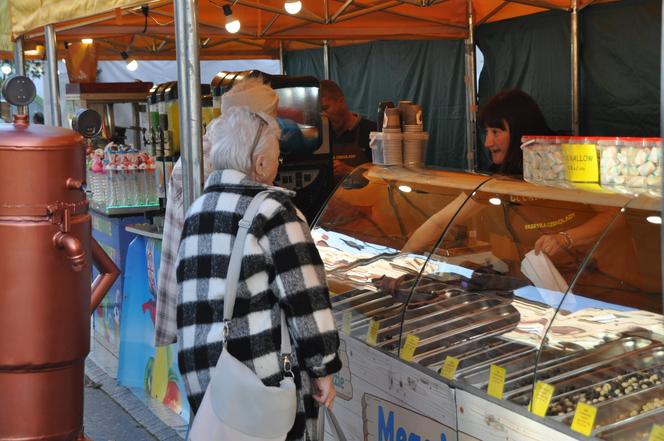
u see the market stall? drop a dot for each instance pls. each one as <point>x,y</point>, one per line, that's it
<point>454,335</point>
<point>465,299</point>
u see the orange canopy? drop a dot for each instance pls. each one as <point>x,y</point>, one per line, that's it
<point>265,24</point>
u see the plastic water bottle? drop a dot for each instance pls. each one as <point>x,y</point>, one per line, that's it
<point>111,186</point>
<point>152,186</point>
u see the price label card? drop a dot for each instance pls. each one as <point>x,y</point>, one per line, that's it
<point>409,347</point>
<point>496,381</point>
<point>541,398</point>
<point>581,162</point>
<point>449,367</point>
<point>345,324</point>
<point>372,334</point>
<point>584,418</point>
<point>657,433</point>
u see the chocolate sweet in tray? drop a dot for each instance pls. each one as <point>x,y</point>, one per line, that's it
<point>615,388</point>
<point>427,290</point>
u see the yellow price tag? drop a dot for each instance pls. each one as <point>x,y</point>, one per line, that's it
<point>584,418</point>
<point>541,398</point>
<point>657,433</point>
<point>372,334</point>
<point>449,367</point>
<point>345,325</point>
<point>581,163</point>
<point>496,381</point>
<point>409,347</point>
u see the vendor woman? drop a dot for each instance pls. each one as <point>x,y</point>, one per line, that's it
<point>505,119</point>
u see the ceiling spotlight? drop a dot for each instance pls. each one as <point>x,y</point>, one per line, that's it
<point>232,23</point>
<point>132,64</point>
<point>6,69</point>
<point>38,51</point>
<point>293,7</point>
<point>86,40</point>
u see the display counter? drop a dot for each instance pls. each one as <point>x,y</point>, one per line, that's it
<point>484,307</point>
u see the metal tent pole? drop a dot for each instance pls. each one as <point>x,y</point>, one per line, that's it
<point>19,66</point>
<point>55,118</point>
<point>326,60</point>
<point>189,97</point>
<point>575,68</point>
<point>281,57</point>
<point>471,93</point>
<point>661,132</point>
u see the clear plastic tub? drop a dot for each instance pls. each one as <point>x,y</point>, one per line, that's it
<point>631,164</point>
<point>386,147</point>
<point>543,158</point>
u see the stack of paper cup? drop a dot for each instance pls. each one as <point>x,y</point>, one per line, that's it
<point>414,146</point>
<point>386,148</point>
<point>414,137</point>
<point>392,146</point>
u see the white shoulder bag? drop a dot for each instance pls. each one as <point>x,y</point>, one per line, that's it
<point>237,406</point>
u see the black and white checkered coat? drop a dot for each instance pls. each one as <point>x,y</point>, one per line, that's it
<point>281,268</point>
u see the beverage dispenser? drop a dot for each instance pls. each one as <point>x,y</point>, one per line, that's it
<point>153,122</point>
<point>45,266</point>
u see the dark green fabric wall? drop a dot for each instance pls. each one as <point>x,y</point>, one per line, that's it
<point>621,68</point>
<point>620,73</point>
<point>430,73</point>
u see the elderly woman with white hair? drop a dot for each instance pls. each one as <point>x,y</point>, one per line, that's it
<point>280,270</point>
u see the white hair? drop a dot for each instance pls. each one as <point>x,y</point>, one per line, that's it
<point>232,134</point>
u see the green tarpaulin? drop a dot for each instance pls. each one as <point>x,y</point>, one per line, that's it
<point>429,73</point>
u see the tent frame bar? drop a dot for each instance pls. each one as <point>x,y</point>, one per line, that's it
<point>55,114</point>
<point>574,47</point>
<point>19,66</point>
<point>189,98</point>
<point>471,92</point>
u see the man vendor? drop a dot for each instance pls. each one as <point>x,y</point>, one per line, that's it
<point>349,140</point>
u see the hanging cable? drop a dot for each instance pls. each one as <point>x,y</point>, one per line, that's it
<point>145,9</point>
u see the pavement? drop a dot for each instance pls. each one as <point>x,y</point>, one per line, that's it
<point>105,420</point>
<point>116,413</point>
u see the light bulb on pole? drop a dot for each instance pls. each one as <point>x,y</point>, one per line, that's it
<point>232,23</point>
<point>293,7</point>
<point>132,64</point>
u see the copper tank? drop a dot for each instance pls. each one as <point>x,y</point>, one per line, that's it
<point>46,256</point>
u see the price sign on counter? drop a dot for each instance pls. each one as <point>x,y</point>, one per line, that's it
<point>584,418</point>
<point>541,398</point>
<point>345,324</point>
<point>496,381</point>
<point>581,162</point>
<point>372,334</point>
<point>657,433</point>
<point>408,350</point>
<point>449,367</point>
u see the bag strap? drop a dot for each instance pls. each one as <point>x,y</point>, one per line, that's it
<point>233,275</point>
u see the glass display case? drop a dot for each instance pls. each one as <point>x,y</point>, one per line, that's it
<point>456,274</point>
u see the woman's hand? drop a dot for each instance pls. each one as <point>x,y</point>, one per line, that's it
<point>551,244</point>
<point>326,391</point>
